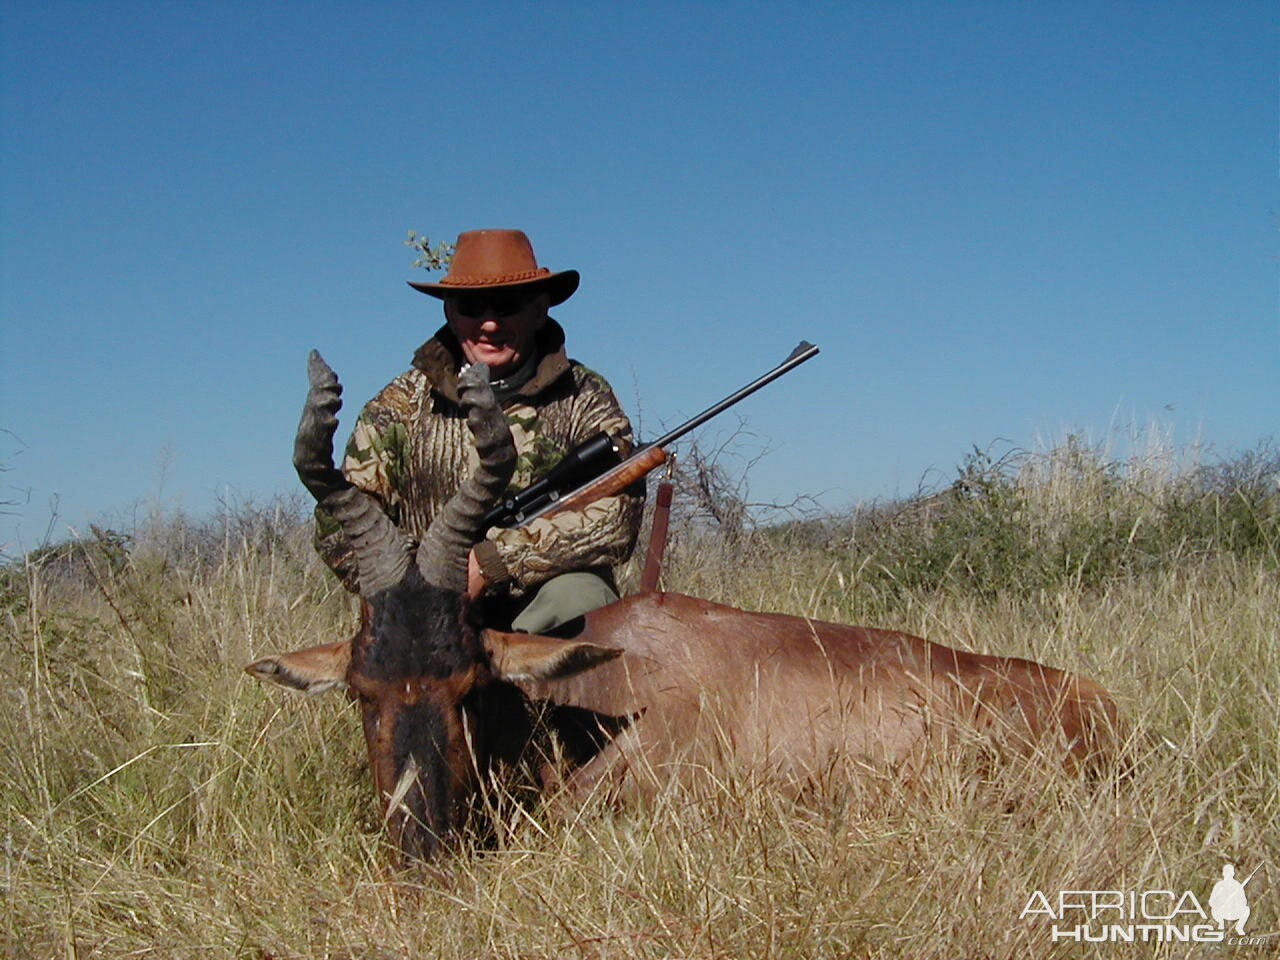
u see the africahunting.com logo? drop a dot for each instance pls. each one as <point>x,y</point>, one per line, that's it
<point>1149,916</point>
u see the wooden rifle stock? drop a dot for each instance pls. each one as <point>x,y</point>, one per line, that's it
<point>610,483</point>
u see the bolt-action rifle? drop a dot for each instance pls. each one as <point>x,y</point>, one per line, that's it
<point>594,469</point>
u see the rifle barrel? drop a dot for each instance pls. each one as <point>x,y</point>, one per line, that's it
<point>544,496</point>
<point>803,351</point>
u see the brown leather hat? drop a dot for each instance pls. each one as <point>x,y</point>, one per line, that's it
<point>491,259</point>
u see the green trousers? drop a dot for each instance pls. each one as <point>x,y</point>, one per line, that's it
<point>561,599</point>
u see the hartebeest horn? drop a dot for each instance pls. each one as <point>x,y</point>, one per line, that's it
<point>442,554</point>
<point>382,552</point>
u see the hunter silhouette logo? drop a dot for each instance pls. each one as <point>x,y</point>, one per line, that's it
<point>1227,902</point>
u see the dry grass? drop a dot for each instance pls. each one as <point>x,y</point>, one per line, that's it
<point>157,802</point>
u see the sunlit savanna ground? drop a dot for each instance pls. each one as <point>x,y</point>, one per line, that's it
<point>159,803</point>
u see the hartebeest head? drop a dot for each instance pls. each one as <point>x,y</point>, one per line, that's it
<point>426,681</point>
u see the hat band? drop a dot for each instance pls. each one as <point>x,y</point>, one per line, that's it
<point>498,278</point>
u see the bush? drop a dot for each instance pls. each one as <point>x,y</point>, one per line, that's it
<point>1028,523</point>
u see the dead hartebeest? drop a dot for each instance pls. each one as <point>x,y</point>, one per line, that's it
<point>643,689</point>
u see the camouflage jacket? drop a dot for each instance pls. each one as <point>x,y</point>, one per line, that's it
<point>411,449</point>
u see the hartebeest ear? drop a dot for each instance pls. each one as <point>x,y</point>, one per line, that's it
<point>313,670</point>
<point>532,656</point>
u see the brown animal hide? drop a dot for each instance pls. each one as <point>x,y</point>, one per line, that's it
<point>662,685</point>
<point>712,686</point>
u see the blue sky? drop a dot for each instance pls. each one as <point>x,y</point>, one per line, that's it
<point>998,221</point>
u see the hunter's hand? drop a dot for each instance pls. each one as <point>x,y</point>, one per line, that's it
<point>475,579</point>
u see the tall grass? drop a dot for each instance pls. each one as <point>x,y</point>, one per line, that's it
<point>1070,516</point>
<point>157,802</point>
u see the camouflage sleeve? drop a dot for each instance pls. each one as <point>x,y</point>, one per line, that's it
<point>374,461</point>
<point>603,533</point>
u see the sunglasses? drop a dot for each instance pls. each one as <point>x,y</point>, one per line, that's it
<point>475,306</point>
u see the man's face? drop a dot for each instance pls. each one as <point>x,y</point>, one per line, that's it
<point>497,327</point>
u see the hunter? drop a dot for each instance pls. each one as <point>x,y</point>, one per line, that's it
<point>411,448</point>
